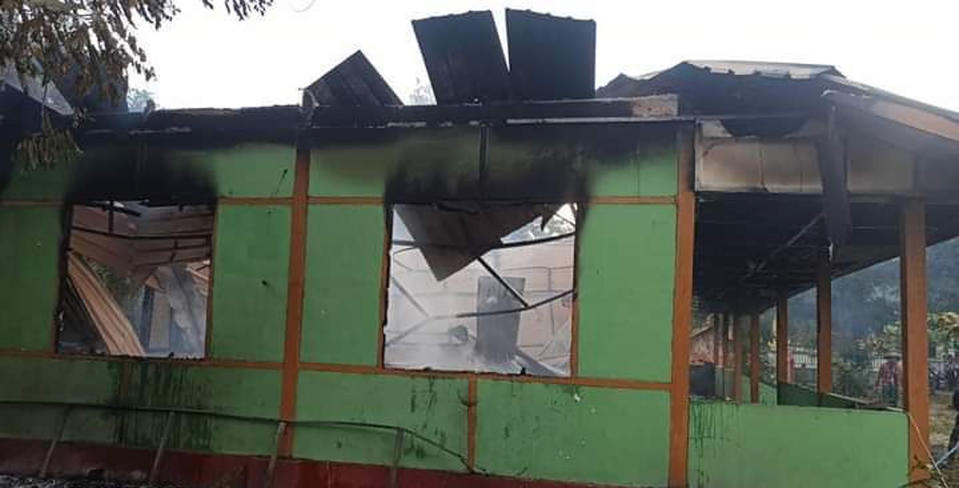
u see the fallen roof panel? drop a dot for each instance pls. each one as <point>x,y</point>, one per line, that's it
<point>464,58</point>
<point>550,58</point>
<point>353,82</point>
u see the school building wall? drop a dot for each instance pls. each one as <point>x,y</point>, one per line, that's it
<point>609,424</point>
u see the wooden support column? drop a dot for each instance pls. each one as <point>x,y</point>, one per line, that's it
<point>719,329</point>
<point>737,358</point>
<point>823,326</point>
<point>294,297</point>
<point>682,310</point>
<point>782,339</point>
<point>754,370</point>
<point>912,287</point>
<point>727,350</point>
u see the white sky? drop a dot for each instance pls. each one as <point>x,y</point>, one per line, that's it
<point>208,59</point>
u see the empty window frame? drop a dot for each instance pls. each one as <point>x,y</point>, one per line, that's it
<point>482,288</point>
<point>136,280</point>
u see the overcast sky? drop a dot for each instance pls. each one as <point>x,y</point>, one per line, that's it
<point>208,59</point>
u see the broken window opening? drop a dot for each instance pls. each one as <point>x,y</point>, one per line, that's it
<point>481,288</point>
<point>136,280</point>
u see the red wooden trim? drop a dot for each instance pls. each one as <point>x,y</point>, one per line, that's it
<point>782,339</point>
<point>460,375</point>
<point>295,289</point>
<point>201,363</point>
<point>915,339</point>
<point>754,358</point>
<point>682,311</point>
<point>823,327</point>
<point>192,468</point>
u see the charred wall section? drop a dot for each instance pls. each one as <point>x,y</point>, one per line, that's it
<point>625,176</point>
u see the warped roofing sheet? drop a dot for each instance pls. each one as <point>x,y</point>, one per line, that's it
<point>353,82</point>
<point>463,57</point>
<point>550,58</point>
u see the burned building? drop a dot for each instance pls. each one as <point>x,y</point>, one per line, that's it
<point>496,290</point>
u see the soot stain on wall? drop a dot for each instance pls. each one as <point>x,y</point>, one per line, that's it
<point>165,386</point>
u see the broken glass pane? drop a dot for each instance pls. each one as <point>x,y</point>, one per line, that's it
<point>481,288</point>
<point>136,281</point>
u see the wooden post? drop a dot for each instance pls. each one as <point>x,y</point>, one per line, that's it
<point>782,339</point>
<point>717,335</point>
<point>727,350</point>
<point>719,328</point>
<point>912,289</point>
<point>754,370</point>
<point>823,326</point>
<point>737,359</point>
<point>682,310</point>
<point>294,294</point>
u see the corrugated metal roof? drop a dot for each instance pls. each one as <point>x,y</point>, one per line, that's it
<point>716,73</point>
<point>550,58</point>
<point>845,84</point>
<point>463,57</point>
<point>354,82</point>
<point>763,68</point>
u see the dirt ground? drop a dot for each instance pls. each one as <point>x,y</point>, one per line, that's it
<point>941,419</point>
<point>26,482</point>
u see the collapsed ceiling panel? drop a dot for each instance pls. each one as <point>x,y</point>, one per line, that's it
<point>133,238</point>
<point>451,237</point>
<point>464,58</point>
<point>354,82</point>
<point>550,58</point>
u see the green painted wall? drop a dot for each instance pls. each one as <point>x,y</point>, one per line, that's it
<point>433,408</point>
<point>360,163</point>
<point>626,261</point>
<point>767,394</point>
<point>235,391</point>
<point>250,273</point>
<point>29,251</point>
<point>801,396</point>
<point>247,392</point>
<point>650,171</point>
<point>610,160</point>
<point>734,445</point>
<point>599,435</point>
<point>239,170</point>
<point>45,380</point>
<point>112,161</point>
<point>341,309</point>
<point>534,162</point>
<point>626,264</point>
